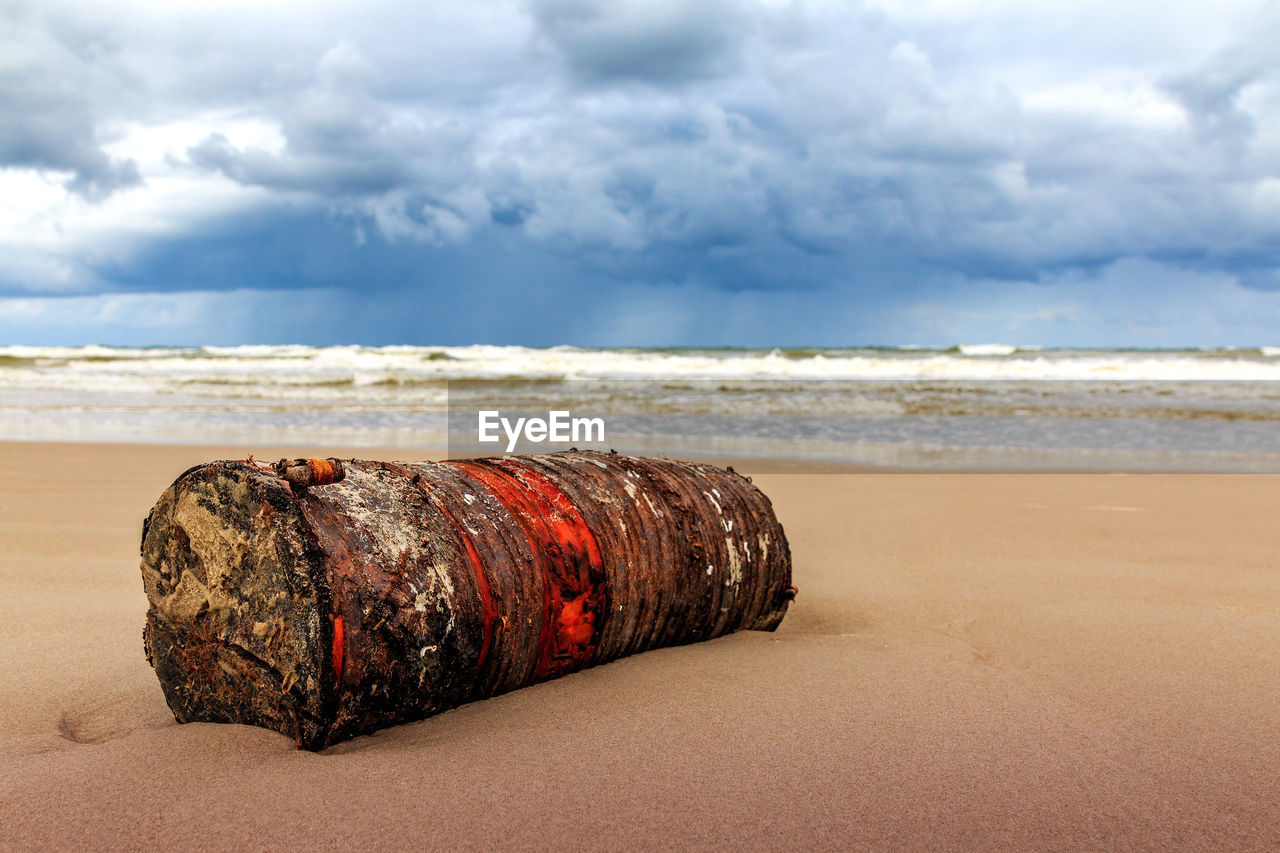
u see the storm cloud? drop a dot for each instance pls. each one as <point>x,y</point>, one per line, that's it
<point>679,172</point>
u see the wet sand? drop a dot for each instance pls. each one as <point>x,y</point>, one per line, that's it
<point>975,661</point>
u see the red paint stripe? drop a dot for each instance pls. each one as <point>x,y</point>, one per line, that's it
<point>511,496</point>
<point>570,526</point>
<point>570,563</point>
<point>577,600</point>
<point>339,648</point>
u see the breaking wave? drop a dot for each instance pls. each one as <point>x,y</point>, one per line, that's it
<point>267,367</point>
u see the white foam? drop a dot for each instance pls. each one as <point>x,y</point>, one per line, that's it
<point>986,349</point>
<point>417,373</point>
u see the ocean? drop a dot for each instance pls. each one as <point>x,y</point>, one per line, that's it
<point>981,406</point>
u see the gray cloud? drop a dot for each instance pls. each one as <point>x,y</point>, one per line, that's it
<point>827,132</point>
<point>1211,90</point>
<point>341,141</point>
<point>722,147</point>
<point>47,120</point>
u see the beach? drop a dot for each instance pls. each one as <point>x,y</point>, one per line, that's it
<point>983,298</point>
<point>974,661</point>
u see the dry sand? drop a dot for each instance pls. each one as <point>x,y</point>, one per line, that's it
<point>975,661</point>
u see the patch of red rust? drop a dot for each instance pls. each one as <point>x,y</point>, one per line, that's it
<point>573,598</point>
<point>322,472</point>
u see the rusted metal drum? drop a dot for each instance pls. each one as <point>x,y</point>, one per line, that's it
<point>327,598</point>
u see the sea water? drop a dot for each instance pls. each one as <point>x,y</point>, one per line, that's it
<point>968,406</point>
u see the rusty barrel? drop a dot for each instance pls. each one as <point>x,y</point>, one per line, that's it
<point>325,599</point>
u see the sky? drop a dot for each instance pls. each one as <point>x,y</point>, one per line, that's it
<point>640,172</point>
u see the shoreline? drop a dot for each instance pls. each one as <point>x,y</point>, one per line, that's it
<point>746,464</point>
<point>974,660</point>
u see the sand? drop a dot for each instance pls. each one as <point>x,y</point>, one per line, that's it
<point>975,661</point>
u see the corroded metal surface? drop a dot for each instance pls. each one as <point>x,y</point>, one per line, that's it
<point>325,599</point>
<point>303,473</point>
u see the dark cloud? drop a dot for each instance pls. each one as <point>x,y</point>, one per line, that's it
<point>661,42</point>
<point>797,136</point>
